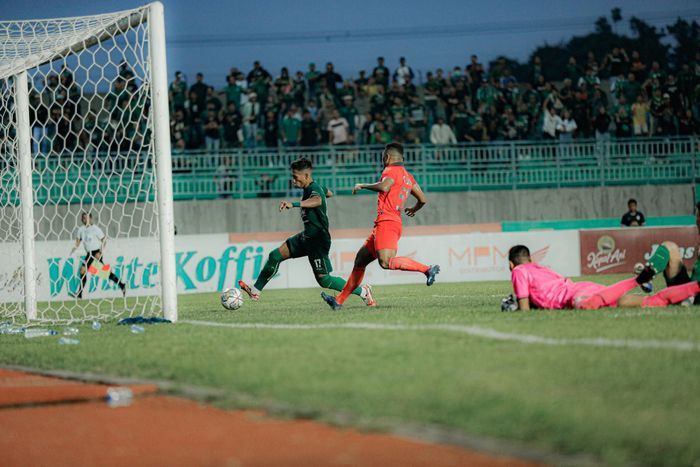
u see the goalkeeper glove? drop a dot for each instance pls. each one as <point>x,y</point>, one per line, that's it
<point>509,304</point>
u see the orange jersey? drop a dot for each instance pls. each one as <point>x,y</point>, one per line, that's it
<point>391,203</point>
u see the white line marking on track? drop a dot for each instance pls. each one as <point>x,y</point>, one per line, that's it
<point>477,331</point>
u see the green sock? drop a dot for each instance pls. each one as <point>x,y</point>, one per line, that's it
<point>269,270</point>
<point>335,283</point>
<point>659,260</point>
<point>696,270</point>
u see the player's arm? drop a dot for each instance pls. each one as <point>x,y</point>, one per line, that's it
<point>524,304</point>
<point>310,203</point>
<point>329,193</point>
<point>421,201</point>
<point>75,247</point>
<point>382,186</point>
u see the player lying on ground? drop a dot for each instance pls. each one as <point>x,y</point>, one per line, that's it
<point>314,242</point>
<point>668,259</point>
<point>394,187</point>
<point>94,242</point>
<point>539,287</point>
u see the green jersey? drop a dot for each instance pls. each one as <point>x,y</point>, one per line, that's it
<point>316,219</point>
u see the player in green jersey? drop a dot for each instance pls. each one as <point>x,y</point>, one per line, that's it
<point>314,242</point>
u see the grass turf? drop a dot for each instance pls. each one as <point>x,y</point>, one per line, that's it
<point>621,405</point>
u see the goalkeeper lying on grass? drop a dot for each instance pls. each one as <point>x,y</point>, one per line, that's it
<point>537,286</point>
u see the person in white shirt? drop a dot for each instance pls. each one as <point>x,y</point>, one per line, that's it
<point>250,113</point>
<point>403,72</point>
<point>441,133</point>
<point>566,127</point>
<point>338,129</point>
<point>550,122</point>
<point>94,241</point>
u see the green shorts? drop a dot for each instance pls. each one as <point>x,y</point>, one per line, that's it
<point>315,248</point>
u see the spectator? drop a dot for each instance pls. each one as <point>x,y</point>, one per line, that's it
<point>312,109</point>
<point>313,78</point>
<point>213,100</point>
<point>177,93</point>
<point>258,73</point>
<point>299,89</point>
<point>637,66</point>
<point>380,73</point>
<point>308,130</point>
<point>417,119</point>
<point>362,81</point>
<point>566,127</point>
<point>573,72</point>
<point>331,79</point>
<point>349,112</point>
<point>640,111</point>
<point>537,73</point>
<point>233,91</point>
<point>632,218</point>
<point>232,126</point>
<point>623,123</point>
<point>632,88</point>
<point>199,89</point>
<point>551,121</point>
<point>338,130</point>
<point>380,135</point>
<point>616,62</point>
<point>403,73</point>
<point>212,132</point>
<point>251,113</point>
<point>290,130</point>
<point>271,130</point>
<point>602,125</point>
<point>477,133</point>
<point>687,125</point>
<point>441,134</point>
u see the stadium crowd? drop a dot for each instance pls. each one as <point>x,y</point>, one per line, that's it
<point>619,95</point>
<point>616,96</point>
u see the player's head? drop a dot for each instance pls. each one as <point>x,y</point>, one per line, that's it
<point>85,218</point>
<point>393,154</point>
<point>632,205</point>
<point>518,254</point>
<point>302,173</point>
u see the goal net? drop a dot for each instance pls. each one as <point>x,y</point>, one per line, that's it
<point>84,130</point>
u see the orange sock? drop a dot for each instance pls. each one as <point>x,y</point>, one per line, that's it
<point>671,295</point>
<point>353,282</point>
<point>404,263</point>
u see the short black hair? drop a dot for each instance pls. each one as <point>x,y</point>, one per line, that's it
<point>398,147</point>
<point>519,254</point>
<point>302,164</point>
<point>631,200</point>
<point>697,205</point>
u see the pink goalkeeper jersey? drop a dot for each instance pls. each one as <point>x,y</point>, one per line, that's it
<point>547,289</point>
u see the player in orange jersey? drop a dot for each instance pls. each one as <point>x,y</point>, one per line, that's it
<point>394,187</point>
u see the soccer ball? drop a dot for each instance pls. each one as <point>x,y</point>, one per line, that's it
<point>232,299</point>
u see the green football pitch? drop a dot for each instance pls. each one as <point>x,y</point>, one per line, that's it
<point>621,386</point>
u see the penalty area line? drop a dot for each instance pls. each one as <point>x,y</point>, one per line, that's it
<point>476,331</point>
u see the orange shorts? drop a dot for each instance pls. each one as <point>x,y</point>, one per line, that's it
<point>384,236</point>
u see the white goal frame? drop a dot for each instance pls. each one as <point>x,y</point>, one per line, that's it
<point>162,157</point>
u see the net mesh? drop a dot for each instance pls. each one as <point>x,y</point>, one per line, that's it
<point>91,125</point>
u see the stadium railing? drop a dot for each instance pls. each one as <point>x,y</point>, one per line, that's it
<point>261,172</point>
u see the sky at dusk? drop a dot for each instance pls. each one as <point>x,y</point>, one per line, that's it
<point>213,36</point>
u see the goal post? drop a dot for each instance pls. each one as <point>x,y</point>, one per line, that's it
<point>84,128</point>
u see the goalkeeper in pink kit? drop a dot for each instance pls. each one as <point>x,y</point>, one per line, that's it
<point>536,286</point>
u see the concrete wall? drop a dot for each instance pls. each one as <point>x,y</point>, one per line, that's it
<point>346,212</point>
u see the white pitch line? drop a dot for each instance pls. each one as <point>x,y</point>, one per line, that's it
<point>477,331</point>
